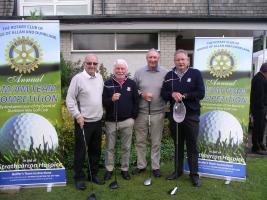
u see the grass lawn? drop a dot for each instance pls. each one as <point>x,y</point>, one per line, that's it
<point>254,188</point>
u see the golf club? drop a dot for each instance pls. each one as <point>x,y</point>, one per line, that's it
<point>174,190</point>
<point>114,184</point>
<point>148,181</point>
<point>92,195</point>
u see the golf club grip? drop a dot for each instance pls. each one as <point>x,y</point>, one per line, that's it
<point>84,139</point>
<point>149,107</point>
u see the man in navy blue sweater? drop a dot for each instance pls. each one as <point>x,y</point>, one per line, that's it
<point>120,99</point>
<point>185,84</point>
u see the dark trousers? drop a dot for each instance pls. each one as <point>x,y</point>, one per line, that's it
<point>93,136</point>
<point>258,129</point>
<point>187,133</point>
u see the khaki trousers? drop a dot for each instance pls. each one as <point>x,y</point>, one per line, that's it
<point>125,130</point>
<point>141,133</point>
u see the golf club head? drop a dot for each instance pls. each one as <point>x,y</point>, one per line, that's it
<point>113,185</point>
<point>92,197</point>
<point>148,182</point>
<point>173,191</point>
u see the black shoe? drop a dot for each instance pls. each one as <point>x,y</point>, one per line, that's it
<point>195,180</point>
<point>125,175</point>
<point>262,147</point>
<point>174,175</point>
<point>80,185</point>
<point>108,175</point>
<point>259,152</point>
<point>156,173</point>
<point>97,180</point>
<point>137,171</point>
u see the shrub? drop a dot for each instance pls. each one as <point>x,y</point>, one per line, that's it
<point>68,70</point>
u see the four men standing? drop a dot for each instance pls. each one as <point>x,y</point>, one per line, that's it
<point>138,104</point>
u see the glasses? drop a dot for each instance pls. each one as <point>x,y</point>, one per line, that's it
<point>91,63</point>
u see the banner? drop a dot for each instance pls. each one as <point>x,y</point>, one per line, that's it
<point>30,103</point>
<point>226,65</point>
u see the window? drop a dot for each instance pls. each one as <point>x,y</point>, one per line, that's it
<point>93,41</point>
<point>55,7</point>
<point>186,44</point>
<point>45,10</point>
<point>74,10</point>
<point>137,41</point>
<point>115,41</point>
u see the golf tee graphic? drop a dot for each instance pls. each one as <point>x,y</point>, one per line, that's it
<point>225,64</point>
<point>30,104</point>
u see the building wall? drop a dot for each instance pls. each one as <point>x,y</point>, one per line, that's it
<point>186,8</point>
<point>65,45</point>
<point>167,48</point>
<point>135,60</point>
<point>183,7</point>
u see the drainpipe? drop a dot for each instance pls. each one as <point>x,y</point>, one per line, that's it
<point>103,7</point>
<point>93,10</point>
<point>208,7</point>
<point>15,13</point>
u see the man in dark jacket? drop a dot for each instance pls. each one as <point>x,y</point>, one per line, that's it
<point>120,99</point>
<point>185,84</point>
<point>258,109</point>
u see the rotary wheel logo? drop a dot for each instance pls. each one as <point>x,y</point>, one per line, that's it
<point>221,63</point>
<point>23,54</point>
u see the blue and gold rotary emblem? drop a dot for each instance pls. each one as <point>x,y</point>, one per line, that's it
<point>221,63</point>
<point>23,54</point>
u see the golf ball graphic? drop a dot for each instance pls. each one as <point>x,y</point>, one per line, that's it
<point>23,130</point>
<point>220,126</point>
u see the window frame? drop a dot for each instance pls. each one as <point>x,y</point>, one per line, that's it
<point>115,42</point>
<point>55,3</point>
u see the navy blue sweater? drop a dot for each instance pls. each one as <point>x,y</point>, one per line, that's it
<point>128,102</point>
<point>191,85</point>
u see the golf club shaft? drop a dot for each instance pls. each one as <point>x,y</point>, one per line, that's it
<point>149,136</point>
<point>116,129</point>
<point>88,160</point>
<point>176,149</point>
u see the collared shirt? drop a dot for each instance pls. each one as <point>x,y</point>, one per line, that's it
<point>88,75</point>
<point>157,69</point>
<point>120,81</point>
<point>151,81</point>
<point>180,74</point>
